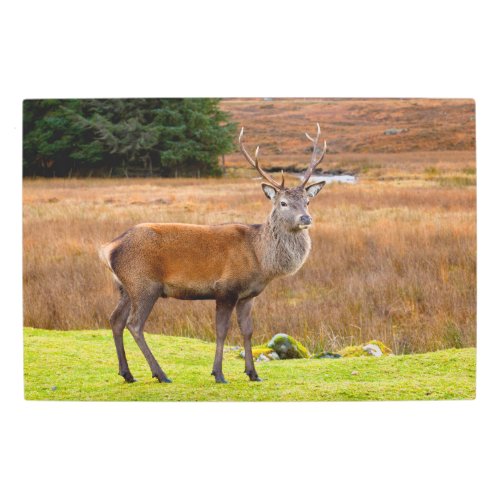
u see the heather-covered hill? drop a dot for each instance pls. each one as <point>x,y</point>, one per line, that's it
<point>353,126</point>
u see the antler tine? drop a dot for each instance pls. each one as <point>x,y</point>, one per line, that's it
<point>255,164</point>
<point>315,141</point>
<point>314,163</point>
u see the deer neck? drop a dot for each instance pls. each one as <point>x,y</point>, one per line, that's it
<point>281,252</point>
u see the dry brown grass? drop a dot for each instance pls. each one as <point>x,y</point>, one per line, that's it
<point>393,260</point>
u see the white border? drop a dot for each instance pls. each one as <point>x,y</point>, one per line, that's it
<point>348,450</point>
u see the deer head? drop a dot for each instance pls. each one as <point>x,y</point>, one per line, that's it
<point>290,205</point>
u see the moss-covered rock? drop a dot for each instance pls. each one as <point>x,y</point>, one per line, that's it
<point>373,350</point>
<point>353,351</point>
<point>287,347</point>
<point>258,350</point>
<point>367,349</point>
<point>261,358</point>
<point>327,355</point>
<point>261,349</point>
<point>382,346</point>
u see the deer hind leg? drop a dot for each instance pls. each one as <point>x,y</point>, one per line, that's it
<point>223,311</point>
<point>244,314</point>
<point>141,306</point>
<point>118,320</point>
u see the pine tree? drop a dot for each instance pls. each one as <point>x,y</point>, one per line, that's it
<point>167,136</point>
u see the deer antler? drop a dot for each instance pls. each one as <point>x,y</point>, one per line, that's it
<point>255,163</point>
<point>314,163</point>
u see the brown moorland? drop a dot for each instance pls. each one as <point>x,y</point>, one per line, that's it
<point>353,128</point>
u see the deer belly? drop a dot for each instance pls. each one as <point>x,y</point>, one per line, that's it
<point>188,292</point>
<point>212,290</point>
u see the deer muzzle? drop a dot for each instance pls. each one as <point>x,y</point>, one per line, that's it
<point>305,221</point>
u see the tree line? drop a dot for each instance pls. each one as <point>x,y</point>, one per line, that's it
<point>121,137</point>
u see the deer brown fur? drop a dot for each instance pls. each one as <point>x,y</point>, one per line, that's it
<point>228,263</point>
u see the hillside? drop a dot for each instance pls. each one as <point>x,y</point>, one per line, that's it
<point>352,126</point>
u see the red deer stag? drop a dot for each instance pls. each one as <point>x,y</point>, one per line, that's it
<point>228,263</point>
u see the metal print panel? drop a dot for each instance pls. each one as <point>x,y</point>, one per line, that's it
<point>259,249</point>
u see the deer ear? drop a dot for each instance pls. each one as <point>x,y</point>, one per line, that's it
<point>314,189</point>
<point>269,191</point>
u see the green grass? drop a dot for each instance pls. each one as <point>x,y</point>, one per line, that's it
<point>82,366</point>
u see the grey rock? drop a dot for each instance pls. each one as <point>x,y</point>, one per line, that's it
<point>232,348</point>
<point>372,350</point>
<point>262,357</point>
<point>327,355</point>
<point>287,347</point>
<point>273,355</point>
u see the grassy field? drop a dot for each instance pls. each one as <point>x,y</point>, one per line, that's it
<point>81,365</point>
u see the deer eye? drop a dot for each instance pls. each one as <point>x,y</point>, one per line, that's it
<point>307,202</point>
<point>284,204</point>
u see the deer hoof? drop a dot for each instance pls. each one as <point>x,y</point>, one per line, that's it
<point>128,377</point>
<point>162,378</point>
<point>219,378</point>
<point>252,375</point>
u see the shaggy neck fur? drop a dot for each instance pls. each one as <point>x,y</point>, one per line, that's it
<point>281,251</point>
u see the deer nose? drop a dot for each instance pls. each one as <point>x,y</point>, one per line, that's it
<point>306,220</point>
